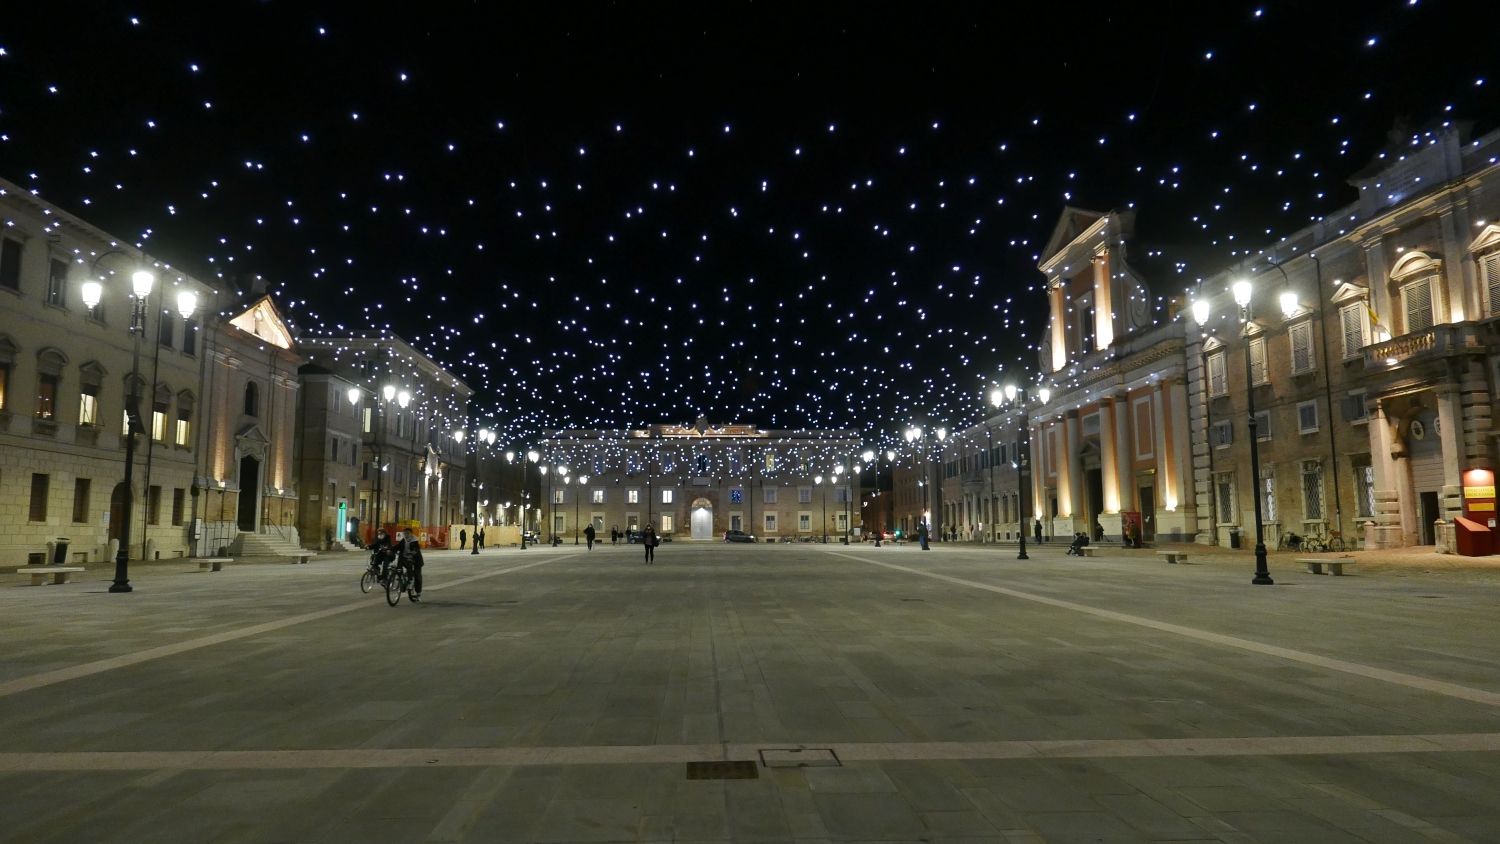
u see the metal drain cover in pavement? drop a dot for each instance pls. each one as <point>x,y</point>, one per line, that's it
<point>743,770</point>
<point>802,757</point>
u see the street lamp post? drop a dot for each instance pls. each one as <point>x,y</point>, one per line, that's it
<point>93,292</point>
<point>1016,397</point>
<point>1242,295</point>
<point>849,505</point>
<point>915,434</point>
<point>577,495</point>
<point>890,507</point>
<point>486,437</point>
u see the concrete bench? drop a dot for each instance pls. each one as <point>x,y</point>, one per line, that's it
<point>1173,556</point>
<point>1087,551</point>
<point>60,574</point>
<point>1335,566</point>
<point>213,563</point>
<point>298,556</point>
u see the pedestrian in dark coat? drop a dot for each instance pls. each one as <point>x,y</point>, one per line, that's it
<point>479,537</point>
<point>588,534</point>
<point>463,538</point>
<point>922,535</point>
<point>648,539</point>
<point>1038,530</point>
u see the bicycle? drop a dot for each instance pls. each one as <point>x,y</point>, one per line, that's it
<point>374,574</point>
<point>1333,542</point>
<point>401,579</point>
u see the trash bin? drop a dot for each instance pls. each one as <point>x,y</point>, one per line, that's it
<point>1234,537</point>
<point>60,551</point>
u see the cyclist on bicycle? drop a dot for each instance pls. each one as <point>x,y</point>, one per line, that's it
<point>381,554</point>
<point>410,552</point>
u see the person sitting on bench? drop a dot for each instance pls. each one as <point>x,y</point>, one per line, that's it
<point>1080,539</point>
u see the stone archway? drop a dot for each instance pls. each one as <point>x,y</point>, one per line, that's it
<point>249,504</point>
<point>701,518</point>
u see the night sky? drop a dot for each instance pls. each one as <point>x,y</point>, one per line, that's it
<point>799,215</point>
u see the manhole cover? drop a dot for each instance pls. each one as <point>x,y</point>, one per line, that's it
<point>801,757</point>
<point>722,771</point>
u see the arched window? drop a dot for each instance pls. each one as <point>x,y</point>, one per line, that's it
<point>252,399</point>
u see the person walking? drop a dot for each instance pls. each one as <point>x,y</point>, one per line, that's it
<point>614,535</point>
<point>463,538</point>
<point>922,535</point>
<point>648,539</point>
<point>1038,530</point>
<point>479,537</point>
<point>588,535</point>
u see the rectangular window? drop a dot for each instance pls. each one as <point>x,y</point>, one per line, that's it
<point>1223,434</point>
<point>81,500</point>
<point>153,506</point>
<point>184,427</point>
<point>1312,490</point>
<point>1224,492</point>
<point>804,495</point>
<point>1301,336</point>
<point>668,496</point>
<point>840,495</point>
<point>165,329</point>
<point>1354,408</point>
<point>88,406</point>
<point>178,501</point>
<point>46,396</point>
<point>1307,417</point>
<point>10,263</point>
<point>159,422</point>
<point>39,497</point>
<point>1352,321</point>
<point>1267,497</point>
<point>632,496</point>
<point>770,522</point>
<point>768,495</point>
<point>1258,373</point>
<point>1364,491</point>
<point>666,522</point>
<point>368,413</point>
<point>57,282</point>
<point>190,343</point>
<point>804,521</point>
<point>1416,298</point>
<point>1489,279</point>
<point>598,496</point>
<point>770,461</point>
<point>1263,425</point>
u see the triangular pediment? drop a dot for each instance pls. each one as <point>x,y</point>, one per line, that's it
<point>1212,344</point>
<point>252,434</point>
<point>1350,291</point>
<point>1070,224</point>
<point>264,321</point>
<point>1487,240</point>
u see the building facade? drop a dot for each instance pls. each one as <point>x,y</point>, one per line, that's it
<point>69,374</point>
<point>1372,344</point>
<point>1110,447</point>
<point>981,480</point>
<point>695,482</point>
<point>412,467</point>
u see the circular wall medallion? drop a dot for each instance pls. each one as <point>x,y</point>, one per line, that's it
<point>1418,430</point>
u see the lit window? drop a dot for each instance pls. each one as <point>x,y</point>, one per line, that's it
<point>46,396</point>
<point>666,522</point>
<point>183,428</point>
<point>598,496</point>
<point>632,496</point>
<point>159,423</point>
<point>88,406</point>
<point>668,496</point>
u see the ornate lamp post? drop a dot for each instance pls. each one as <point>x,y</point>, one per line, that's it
<point>1242,295</point>
<point>486,438</point>
<point>1017,398</point>
<point>578,494</point>
<point>890,507</point>
<point>915,434</point>
<point>92,293</point>
<point>823,494</point>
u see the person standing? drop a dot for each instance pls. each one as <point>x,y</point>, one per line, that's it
<point>479,537</point>
<point>463,538</point>
<point>922,535</point>
<point>614,534</point>
<point>588,535</point>
<point>648,539</point>
<point>1038,530</point>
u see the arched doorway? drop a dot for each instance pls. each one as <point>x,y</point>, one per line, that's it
<point>249,492</point>
<point>117,511</point>
<point>702,519</point>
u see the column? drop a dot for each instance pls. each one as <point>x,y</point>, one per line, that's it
<point>1072,471</point>
<point>1165,463</point>
<point>1038,509</point>
<point>1383,531</point>
<point>1123,449</point>
<point>1104,323</point>
<point>1460,287</point>
<point>1376,270</point>
<point>1451,435</point>
<point>1059,326</point>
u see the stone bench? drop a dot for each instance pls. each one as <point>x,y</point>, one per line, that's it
<point>298,556</point>
<point>1173,556</point>
<point>213,563</point>
<point>1087,551</point>
<point>1335,566</point>
<point>60,574</point>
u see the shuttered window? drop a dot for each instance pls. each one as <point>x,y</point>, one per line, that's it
<point>1302,352</point>
<point>1217,384</point>
<point>1489,271</point>
<point>1417,299</point>
<point>1352,321</point>
<point>1258,361</point>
